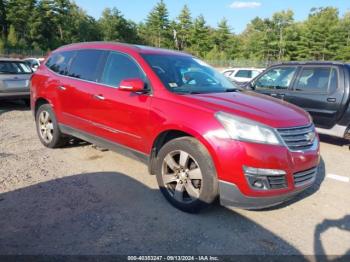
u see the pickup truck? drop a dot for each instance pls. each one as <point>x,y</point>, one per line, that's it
<point>320,88</point>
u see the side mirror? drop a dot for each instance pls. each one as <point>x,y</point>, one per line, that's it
<point>251,85</point>
<point>132,85</point>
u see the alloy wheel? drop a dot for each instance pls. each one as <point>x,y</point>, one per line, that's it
<point>182,176</point>
<point>46,127</point>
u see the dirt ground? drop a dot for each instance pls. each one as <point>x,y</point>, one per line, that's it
<point>79,200</point>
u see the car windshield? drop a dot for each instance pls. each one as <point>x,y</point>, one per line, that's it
<point>11,67</point>
<point>188,75</point>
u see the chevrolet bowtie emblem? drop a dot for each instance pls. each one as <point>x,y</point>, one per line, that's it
<point>310,136</point>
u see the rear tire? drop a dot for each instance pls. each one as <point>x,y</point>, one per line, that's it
<point>186,175</point>
<point>47,128</point>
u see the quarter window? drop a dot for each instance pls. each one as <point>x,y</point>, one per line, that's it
<point>60,62</point>
<point>316,79</point>
<point>86,64</point>
<point>120,67</point>
<point>276,78</point>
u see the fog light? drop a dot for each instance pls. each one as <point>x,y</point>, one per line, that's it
<point>264,179</point>
<point>258,184</point>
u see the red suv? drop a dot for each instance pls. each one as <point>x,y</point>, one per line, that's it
<point>202,137</point>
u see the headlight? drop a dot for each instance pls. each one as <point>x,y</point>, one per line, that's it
<point>246,130</point>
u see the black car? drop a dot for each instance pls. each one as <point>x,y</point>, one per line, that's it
<point>321,88</point>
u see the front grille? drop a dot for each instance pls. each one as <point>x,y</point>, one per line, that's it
<point>298,138</point>
<point>277,182</point>
<point>305,177</point>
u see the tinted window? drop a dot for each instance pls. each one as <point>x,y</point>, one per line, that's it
<point>11,67</point>
<point>314,79</point>
<point>86,64</point>
<point>333,83</point>
<point>120,67</point>
<point>276,78</point>
<point>244,73</point>
<point>60,62</point>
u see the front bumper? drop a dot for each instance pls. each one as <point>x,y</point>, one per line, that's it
<point>234,186</point>
<point>231,196</point>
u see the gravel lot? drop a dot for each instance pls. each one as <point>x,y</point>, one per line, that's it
<point>79,200</point>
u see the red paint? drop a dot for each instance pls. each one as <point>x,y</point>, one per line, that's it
<point>140,118</point>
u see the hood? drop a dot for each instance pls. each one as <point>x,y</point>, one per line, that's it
<point>260,108</point>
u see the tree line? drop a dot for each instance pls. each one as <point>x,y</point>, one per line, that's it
<point>48,24</point>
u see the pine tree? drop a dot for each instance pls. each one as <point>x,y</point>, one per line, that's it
<point>12,37</point>
<point>115,27</point>
<point>158,25</point>
<point>184,26</point>
<point>2,46</point>
<point>19,13</point>
<point>343,38</point>
<point>281,22</point>
<point>3,18</point>
<point>222,35</point>
<point>200,42</point>
<point>320,33</point>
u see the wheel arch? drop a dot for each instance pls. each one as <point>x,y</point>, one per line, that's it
<point>172,133</point>
<point>39,102</point>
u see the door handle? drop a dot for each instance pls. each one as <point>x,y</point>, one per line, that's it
<point>63,88</point>
<point>99,97</point>
<point>331,99</point>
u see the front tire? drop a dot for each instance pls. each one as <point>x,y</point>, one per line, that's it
<point>47,128</point>
<point>186,175</point>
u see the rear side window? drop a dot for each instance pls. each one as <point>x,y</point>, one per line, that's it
<point>60,62</point>
<point>316,79</point>
<point>120,67</point>
<point>244,73</point>
<point>86,64</point>
<point>9,67</point>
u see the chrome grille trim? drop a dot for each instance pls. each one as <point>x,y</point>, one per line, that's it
<point>298,138</point>
<point>305,177</point>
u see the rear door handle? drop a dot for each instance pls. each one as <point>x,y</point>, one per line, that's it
<point>331,99</point>
<point>99,97</point>
<point>63,88</point>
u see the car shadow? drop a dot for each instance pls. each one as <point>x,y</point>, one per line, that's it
<point>334,140</point>
<point>111,213</point>
<point>340,224</point>
<point>11,105</point>
<point>308,192</point>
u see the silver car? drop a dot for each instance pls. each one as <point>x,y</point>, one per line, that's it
<point>14,79</point>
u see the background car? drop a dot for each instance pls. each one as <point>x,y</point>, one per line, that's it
<point>34,63</point>
<point>14,79</point>
<point>321,88</point>
<point>242,75</point>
